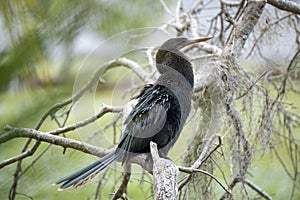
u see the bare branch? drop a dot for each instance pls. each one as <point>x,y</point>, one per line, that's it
<point>18,132</point>
<point>13,134</point>
<point>233,183</point>
<point>257,189</point>
<point>192,170</point>
<point>121,192</point>
<point>69,143</point>
<point>163,3</point>
<point>243,29</point>
<point>230,2</point>
<point>135,67</point>
<point>165,176</point>
<point>205,154</point>
<point>57,140</point>
<point>285,5</point>
<point>208,150</point>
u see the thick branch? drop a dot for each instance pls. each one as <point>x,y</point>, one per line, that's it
<point>135,67</point>
<point>286,5</point>
<point>54,139</point>
<point>66,143</point>
<point>243,29</point>
<point>165,176</point>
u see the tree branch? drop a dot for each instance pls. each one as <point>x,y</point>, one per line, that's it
<point>33,133</point>
<point>54,139</point>
<point>165,176</point>
<point>257,189</point>
<point>242,30</point>
<point>285,5</point>
<point>121,192</point>
<point>203,156</point>
<point>66,143</point>
<point>135,67</point>
<point>13,134</point>
<point>230,187</point>
<point>191,170</point>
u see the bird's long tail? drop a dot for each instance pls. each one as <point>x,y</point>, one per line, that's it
<point>86,174</point>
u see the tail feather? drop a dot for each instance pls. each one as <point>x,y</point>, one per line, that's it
<point>84,175</point>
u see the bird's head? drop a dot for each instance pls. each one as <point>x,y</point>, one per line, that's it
<point>178,43</point>
<point>174,45</point>
<point>169,57</point>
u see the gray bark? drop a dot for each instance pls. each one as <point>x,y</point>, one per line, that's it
<point>165,176</point>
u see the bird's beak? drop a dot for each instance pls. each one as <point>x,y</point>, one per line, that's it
<point>194,41</point>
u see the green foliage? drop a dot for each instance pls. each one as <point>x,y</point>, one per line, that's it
<point>24,109</point>
<point>35,27</point>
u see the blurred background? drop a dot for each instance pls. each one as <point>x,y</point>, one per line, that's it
<point>43,45</point>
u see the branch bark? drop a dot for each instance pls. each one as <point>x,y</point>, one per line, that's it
<point>260,191</point>
<point>191,170</point>
<point>54,139</point>
<point>244,28</point>
<point>66,143</point>
<point>121,192</point>
<point>135,67</point>
<point>286,5</point>
<point>33,133</point>
<point>206,152</point>
<point>165,176</point>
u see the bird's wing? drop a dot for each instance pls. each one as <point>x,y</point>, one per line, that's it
<point>146,119</point>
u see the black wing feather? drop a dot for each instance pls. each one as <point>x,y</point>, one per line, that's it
<point>146,120</point>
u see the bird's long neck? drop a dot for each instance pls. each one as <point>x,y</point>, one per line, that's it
<point>167,60</point>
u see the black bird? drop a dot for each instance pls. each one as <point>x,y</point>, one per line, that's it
<point>159,115</point>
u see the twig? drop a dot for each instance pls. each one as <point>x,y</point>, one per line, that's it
<point>227,14</point>
<point>202,158</point>
<point>105,109</point>
<point>35,160</point>
<point>254,84</point>
<point>121,192</point>
<point>260,191</point>
<point>99,185</point>
<point>206,153</point>
<point>264,32</point>
<point>230,187</point>
<point>191,170</point>
<point>163,3</point>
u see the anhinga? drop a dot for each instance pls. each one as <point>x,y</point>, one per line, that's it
<point>159,115</point>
